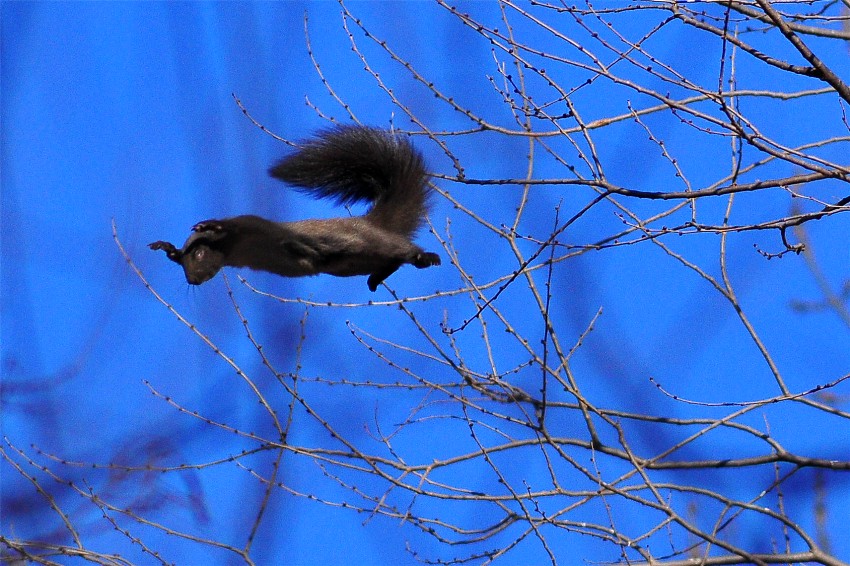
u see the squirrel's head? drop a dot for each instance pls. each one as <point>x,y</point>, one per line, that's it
<point>201,262</point>
<point>200,257</point>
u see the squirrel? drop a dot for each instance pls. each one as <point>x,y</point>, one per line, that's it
<point>348,164</point>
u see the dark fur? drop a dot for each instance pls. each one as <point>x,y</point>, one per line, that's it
<point>347,163</point>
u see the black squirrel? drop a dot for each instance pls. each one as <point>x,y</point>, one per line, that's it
<point>349,164</point>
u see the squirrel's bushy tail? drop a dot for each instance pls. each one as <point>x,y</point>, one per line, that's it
<point>358,163</point>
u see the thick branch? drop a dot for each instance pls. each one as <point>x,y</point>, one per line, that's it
<point>825,73</point>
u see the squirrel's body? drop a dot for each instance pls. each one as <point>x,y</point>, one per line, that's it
<point>349,164</point>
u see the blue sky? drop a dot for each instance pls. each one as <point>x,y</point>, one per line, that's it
<point>124,113</point>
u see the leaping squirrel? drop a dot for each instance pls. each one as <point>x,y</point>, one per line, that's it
<point>346,163</point>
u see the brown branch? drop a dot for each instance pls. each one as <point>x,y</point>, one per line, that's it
<point>824,72</point>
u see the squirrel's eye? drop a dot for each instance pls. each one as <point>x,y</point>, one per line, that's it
<point>199,254</point>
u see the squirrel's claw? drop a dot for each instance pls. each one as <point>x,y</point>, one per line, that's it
<point>208,226</point>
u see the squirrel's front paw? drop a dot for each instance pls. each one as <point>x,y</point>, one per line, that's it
<point>208,226</point>
<point>167,246</point>
<point>173,253</point>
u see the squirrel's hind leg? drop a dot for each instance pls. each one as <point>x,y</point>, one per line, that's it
<point>419,260</point>
<point>425,259</point>
<point>378,277</point>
